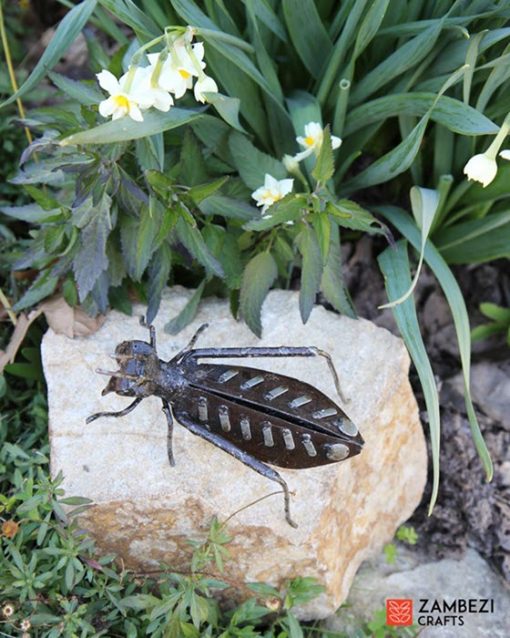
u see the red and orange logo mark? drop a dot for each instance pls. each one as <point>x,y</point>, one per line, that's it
<point>399,612</point>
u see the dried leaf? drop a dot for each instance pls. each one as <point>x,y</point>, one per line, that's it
<point>69,321</point>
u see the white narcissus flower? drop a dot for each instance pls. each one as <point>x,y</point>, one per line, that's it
<point>204,84</point>
<point>481,168</point>
<point>124,99</point>
<point>312,141</point>
<point>505,154</point>
<point>272,191</point>
<point>184,61</point>
<point>153,94</point>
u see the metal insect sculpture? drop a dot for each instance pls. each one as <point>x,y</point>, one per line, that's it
<point>256,416</point>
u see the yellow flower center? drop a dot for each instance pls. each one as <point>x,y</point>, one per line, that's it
<point>184,74</point>
<point>309,140</point>
<point>121,101</point>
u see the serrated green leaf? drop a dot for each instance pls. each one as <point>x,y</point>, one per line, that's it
<point>258,277</point>
<point>325,164</point>
<point>32,213</point>
<point>91,259</point>
<point>228,207</point>
<point>42,287</point>
<point>351,215</point>
<point>311,271</point>
<point>201,191</point>
<point>332,282</point>
<point>322,226</point>
<point>125,129</point>
<point>289,208</point>
<point>187,314</point>
<point>193,241</point>
<point>159,272</point>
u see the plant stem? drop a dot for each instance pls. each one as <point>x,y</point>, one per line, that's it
<point>10,68</point>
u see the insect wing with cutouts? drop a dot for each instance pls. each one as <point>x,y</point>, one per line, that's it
<point>275,418</point>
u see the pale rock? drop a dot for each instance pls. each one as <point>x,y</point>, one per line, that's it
<point>414,576</point>
<point>146,511</point>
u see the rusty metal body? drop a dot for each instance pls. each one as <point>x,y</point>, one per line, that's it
<point>256,416</point>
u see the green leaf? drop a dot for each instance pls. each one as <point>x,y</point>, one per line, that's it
<point>289,208</point>
<point>65,34</point>
<point>91,259</point>
<point>125,128</point>
<point>476,241</point>
<point>201,191</point>
<point>303,108</point>
<point>295,630</point>
<point>253,164</point>
<point>148,226</point>
<point>325,165</point>
<point>492,311</point>
<point>258,277</point>
<point>227,108</point>
<point>351,215</point>
<point>228,207</point>
<point>83,92</point>
<point>193,167</point>
<point>455,299</point>
<point>322,226</point>
<point>405,57</point>
<point>187,314</point>
<point>394,264</point>
<point>129,14</point>
<point>159,271</point>
<point>452,114</point>
<point>193,241</point>
<point>424,204</point>
<point>332,283</point>
<point>308,34</point>
<point>32,213</point>
<point>42,287</point>
<point>311,271</point>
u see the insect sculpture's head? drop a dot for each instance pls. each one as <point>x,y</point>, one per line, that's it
<point>139,369</point>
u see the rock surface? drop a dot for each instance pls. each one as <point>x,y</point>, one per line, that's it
<point>415,577</point>
<point>146,511</point>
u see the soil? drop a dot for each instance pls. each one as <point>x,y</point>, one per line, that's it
<point>470,512</point>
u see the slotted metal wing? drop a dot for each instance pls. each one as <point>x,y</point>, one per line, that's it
<point>267,437</point>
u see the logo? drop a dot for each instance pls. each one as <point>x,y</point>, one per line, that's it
<point>399,612</point>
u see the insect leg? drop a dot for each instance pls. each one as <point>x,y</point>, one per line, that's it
<point>282,351</point>
<point>170,421</point>
<point>123,412</point>
<point>242,456</point>
<point>152,331</point>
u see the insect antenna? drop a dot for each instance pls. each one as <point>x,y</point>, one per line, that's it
<point>152,331</point>
<point>117,374</point>
<point>333,371</point>
<point>193,340</point>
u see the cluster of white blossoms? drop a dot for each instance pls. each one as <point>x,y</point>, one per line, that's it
<point>273,190</point>
<point>170,74</point>
<point>483,167</point>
